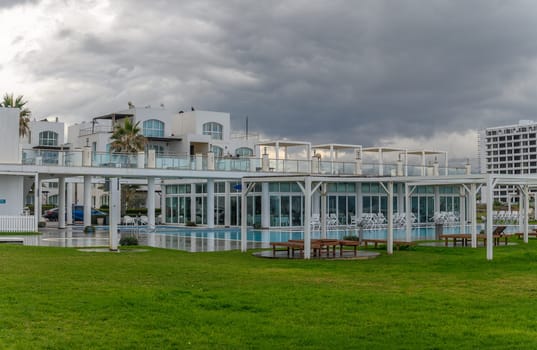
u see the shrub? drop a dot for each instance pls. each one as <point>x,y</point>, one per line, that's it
<point>89,229</point>
<point>351,238</point>
<point>128,240</point>
<point>190,223</point>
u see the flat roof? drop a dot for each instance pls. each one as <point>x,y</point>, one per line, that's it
<point>284,143</point>
<point>383,149</point>
<point>114,116</point>
<point>426,152</point>
<point>336,146</point>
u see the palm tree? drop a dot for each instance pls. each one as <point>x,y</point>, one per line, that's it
<point>127,138</point>
<point>24,115</point>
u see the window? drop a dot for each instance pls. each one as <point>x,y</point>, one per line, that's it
<point>48,138</point>
<point>244,151</point>
<point>213,129</point>
<point>153,128</point>
<point>218,151</point>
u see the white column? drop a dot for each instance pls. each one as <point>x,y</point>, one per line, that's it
<point>87,200</point>
<point>69,203</point>
<point>265,205</point>
<point>408,235</point>
<point>61,202</point>
<point>490,199</point>
<point>227,204</point>
<point>244,229</point>
<point>323,210</point>
<point>526,212</point>
<point>473,214</point>
<point>462,209</point>
<point>307,218</point>
<point>37,202</point>
<point>151,202</point>
<point>193,202</point>
<point>535,206</point>
<point>210,203</point>
<point>114,212</point>
<point>436,199</point>
<point>389,240</point>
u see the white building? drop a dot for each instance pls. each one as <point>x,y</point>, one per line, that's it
<point>510,149</point>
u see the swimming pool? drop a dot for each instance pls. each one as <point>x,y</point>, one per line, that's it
<point>218,239</point>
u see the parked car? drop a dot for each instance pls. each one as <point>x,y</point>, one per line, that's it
<point>51,214</point>
<point>78,213</point>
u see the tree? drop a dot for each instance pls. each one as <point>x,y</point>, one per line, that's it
<point>127,138</point>
<point>10,101</point>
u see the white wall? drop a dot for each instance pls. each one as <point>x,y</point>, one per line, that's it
<point>9,142</point>
<point>11,194</point>
<point>36,127</point>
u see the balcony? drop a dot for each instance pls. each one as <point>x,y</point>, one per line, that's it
<point>86,158</point>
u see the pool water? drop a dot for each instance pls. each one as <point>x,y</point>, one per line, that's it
<point>218,239</point>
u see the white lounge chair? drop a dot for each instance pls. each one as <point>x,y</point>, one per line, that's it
<point>128,220</point>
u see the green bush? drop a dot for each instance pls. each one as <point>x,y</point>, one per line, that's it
<point>190,223</point>
<point>89,229</point>
<point>351,238</point>
<point>128,240</point>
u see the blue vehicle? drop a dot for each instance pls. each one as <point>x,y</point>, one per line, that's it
<point>78,213</point>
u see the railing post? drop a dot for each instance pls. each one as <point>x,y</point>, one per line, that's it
<point>265,163</point>
<point>86,156</point>
<point>140,160</point>
<point>151,159</point>
<point>210,161</point>
<point>400,171</point>
<point>199,161</point>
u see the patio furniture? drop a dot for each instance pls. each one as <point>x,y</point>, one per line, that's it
<point>128,220</point>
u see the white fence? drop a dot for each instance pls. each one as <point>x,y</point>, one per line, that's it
<point>17,223</point>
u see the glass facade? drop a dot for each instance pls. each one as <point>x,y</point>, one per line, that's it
<point>286,203</point>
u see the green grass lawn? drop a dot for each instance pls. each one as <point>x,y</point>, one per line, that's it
<point>425,298</point>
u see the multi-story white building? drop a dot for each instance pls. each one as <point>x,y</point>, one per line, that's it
<point>510,149</point>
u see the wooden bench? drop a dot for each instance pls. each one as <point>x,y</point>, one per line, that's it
<point>520,235</point>
<point>318,244</point>
<point>495,238</point>
<point>463,237</point>
<point>397,244</point>
<point>290,247</point>
<point>348,243</point>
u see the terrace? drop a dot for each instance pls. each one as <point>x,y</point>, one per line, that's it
<point>199,162</point>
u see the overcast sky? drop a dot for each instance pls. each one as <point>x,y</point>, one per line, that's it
<point>401,72</point>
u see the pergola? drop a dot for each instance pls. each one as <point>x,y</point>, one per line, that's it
<point>470,184</point>
<point>380,154</point>
<point>285,145</point>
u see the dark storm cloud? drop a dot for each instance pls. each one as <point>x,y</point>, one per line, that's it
<point>338,71</point>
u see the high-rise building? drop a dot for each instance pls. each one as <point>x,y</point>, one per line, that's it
<point>510,149</point>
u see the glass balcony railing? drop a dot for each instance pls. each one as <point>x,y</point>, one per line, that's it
<point>80,158</point>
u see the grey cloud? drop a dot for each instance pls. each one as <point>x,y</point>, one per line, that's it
<point>6,4</point>
<point>339,71</point>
